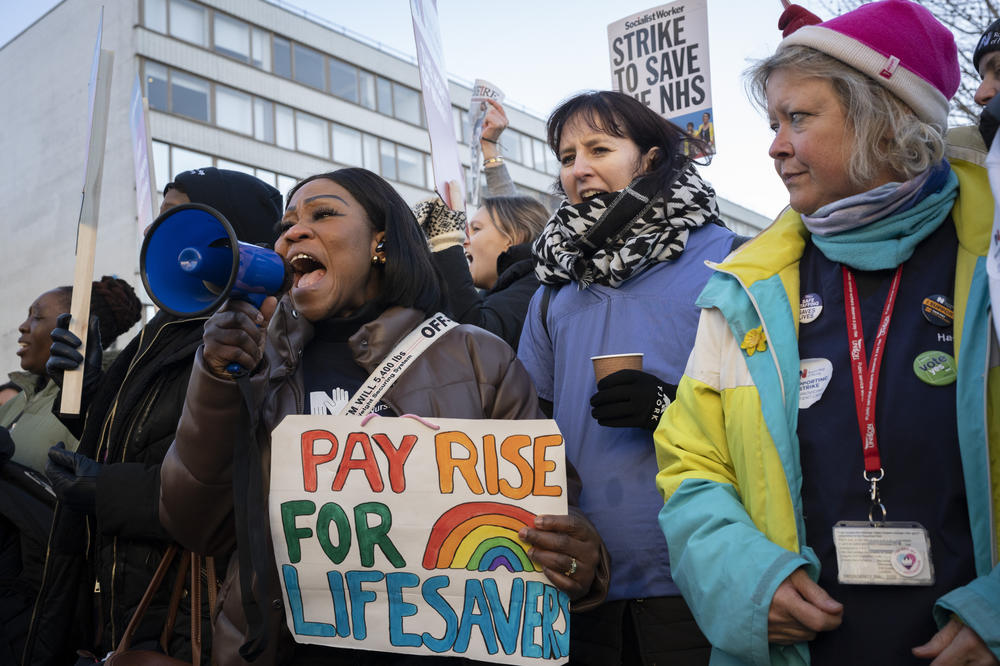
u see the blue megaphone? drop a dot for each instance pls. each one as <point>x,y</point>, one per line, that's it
<point>191,262</point>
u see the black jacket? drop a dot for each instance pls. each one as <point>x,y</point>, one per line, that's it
<point>129,425</point>
<point>502,309</point>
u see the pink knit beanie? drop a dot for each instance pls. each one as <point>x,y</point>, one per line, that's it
<point>899,44</point>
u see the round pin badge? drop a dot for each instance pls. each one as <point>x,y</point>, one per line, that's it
<point>936,368</point>
<point>810,308</point>
<point>938,310</point>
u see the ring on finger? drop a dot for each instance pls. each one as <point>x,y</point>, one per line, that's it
<point>572,567</point>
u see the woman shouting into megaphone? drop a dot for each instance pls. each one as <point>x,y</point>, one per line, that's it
<point>363,281</point>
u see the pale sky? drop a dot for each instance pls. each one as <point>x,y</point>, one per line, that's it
<point>542,51</point>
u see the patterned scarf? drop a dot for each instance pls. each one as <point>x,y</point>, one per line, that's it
<point>613,237</point>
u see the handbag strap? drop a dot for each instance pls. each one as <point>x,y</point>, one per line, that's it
<point>147,597</point>
<point>175,603</point>
<point>196,610</point>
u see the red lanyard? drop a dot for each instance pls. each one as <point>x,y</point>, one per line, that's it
<point>865,375</point>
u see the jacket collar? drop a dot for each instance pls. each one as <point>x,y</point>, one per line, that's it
<point>289,333</point>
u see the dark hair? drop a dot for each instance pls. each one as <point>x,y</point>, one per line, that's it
<point>114,303</point>
<point>619,115</point>
<point>520,218</point>
<point>409,277</point>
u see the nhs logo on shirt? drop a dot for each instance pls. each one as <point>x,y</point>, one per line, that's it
<point>322,403</point>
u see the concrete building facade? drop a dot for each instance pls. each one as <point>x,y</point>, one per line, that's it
<point>250,85</point>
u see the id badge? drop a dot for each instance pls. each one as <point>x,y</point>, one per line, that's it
<point>890,553</point>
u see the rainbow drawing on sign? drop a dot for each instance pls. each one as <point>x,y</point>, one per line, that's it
<point>480,536</point>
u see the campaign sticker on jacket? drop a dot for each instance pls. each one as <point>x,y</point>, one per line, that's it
<point>810,308</point>
<point>938,310</point>
<point>936,368</point>
<point>814,377</point>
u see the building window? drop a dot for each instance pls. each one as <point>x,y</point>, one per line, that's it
<point>266,176</point>
<point>369,146</point>
<point>154,15</point>
<point>234,166</point>
<point>161,164</point>
<point>344,80</point>
<point>232,37</point>
<point>188,22</point>
<point>285,183</point>
<point>263,120</point>
<point>189,96</point>
<point>538,151</point>
<point>347,145</point>
<point>311,133</point>
<point>411,166</point>
<point>387,159</point>
<point>429,173</point>
<point>309,67</point>
<point>233,110</point>
<point>458,116</point>
<point>526,150</point>
<point>261,43</point>
<point>510,144</point>
<point>182,159</point>
<point>384,88</point>
<point>407,103</point>
<point>282,57</point>
<point>367,90</point>
<point>156,86</point>
<point>284,126</point>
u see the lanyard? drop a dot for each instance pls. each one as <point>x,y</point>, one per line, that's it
<point>865,375</point>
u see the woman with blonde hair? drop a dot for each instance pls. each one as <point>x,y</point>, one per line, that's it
<point>830,466</point>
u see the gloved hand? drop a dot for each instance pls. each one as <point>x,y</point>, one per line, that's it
<point>443,227</point>
<point>990,120</point>
<point>63,354</point>
<point>73,478</point>
<point>631,399</point>
<point>6,446</point>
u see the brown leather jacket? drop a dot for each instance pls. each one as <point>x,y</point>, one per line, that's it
<point>468,373</point>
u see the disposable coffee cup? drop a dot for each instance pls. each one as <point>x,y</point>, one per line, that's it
<point>605,365</point>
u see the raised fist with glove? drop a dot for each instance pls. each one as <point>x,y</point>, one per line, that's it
<point>443,227</point>
<point>73,478</point>
<point>63,354</point>
<point>631,399</point>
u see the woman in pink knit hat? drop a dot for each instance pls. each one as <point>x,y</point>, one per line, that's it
<point>831,465</point>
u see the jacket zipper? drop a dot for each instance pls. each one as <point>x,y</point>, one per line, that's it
<point>105,433</point>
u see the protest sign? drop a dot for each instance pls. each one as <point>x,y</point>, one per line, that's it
<point>393,536</point>
<point>138,122</point>
<point>99,89</point>
<point>482,91</point>
<point>437,102</point>
<point>660,57</point>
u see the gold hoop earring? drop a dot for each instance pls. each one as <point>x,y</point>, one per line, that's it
<point>377,260</point>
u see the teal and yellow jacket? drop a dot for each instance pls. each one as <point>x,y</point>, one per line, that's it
<point>728,452</point>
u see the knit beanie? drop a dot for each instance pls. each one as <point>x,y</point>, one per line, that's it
<point>897,43</point>
<point>251,206</point>
<point>988,43</point>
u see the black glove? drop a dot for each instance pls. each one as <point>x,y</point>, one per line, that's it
<point>73,477</point>
<point>63,354</point>
<point>631,399</point>
<point>990,120</point>
<point>6,445</point>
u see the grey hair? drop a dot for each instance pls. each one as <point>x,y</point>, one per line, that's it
<point>886,130</point>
